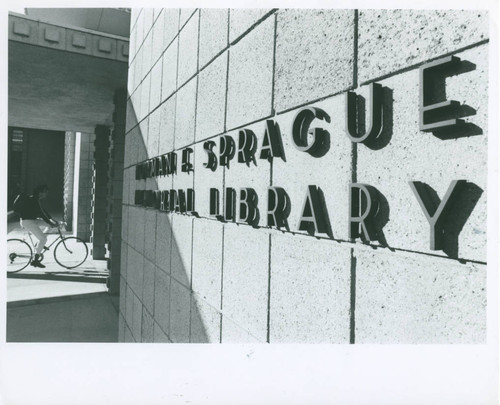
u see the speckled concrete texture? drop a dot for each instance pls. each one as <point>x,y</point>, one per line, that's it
<point>123,261</point>
<point>186,14</point>
<point>142,140</point>
<point>188,50</point>
<point>211,104</point>
<point>135,274</point>
<point>169,71</point>
<point>167,126</point>
<point>163,241</point>
<point>391,40</point>
<point>245,278</point>
<point>125,237</point>
<point>155,96</point>
<point>153,133</point>
<point>310,290</point>
<point>136,218</point>
<point>139,29</point>
<point>145,88</point>
<point>180,308</point>
<point>331,172</point>
<point>207,260</point>
<point>129,303</point>
<point>205,322</point>
<point>242,19</point>
<point>158,335</point>
<point>250,76</point>
<point>234,333</point>
<point>171,25</point>
<point>213,33</point>
<point>418,299</point>
<point>150,234</point>
<point>146,61</point>
<point>162,299</point>
<point>158,37</point>
<point>147,327</point>
<point>314,55</point>
<point>182,235</point>
<point>122,325</point>
<point>136,318</point>
<point>148,14</point>
<point>148,286</point>
<point>412,155</point>
<point>185,112</point>
<point>134,73</point>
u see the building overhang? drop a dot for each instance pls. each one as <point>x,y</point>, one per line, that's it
<point>63,78</point>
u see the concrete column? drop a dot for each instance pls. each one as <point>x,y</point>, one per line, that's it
<point>85,186</point>
<point>100,186</point>
<point>69,167</point>
<point>115,190</point>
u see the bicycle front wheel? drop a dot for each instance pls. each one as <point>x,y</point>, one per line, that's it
<point>71,252</point>
<point>19,255</point>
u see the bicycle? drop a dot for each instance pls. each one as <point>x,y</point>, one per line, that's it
<point>69,253</point>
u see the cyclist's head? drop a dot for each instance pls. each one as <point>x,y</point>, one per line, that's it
<point>41,191</point>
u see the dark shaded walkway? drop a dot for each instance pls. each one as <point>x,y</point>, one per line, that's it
<point>76,318</point>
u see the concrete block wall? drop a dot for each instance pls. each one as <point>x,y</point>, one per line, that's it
<point>197,74</point>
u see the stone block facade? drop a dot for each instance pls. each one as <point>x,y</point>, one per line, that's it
<point>203,80</point>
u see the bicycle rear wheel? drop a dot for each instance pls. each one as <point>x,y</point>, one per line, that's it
<point>71,252</point>
<point>19,254</point>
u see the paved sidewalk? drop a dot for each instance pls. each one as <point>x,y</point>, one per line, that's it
<point>47,305</point>
<point>36,289</point>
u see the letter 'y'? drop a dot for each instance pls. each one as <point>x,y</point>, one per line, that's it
<point>436,215</point>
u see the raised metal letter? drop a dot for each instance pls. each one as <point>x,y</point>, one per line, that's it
<point>227,150</point>
<point>277,207</point>
<point>214,202</point>
<point>352,115</point>
<point>249,212</point>
<point>362,208</point>
<point>313,218</point>
<point>190,201</point>
<point>271,143</point>
<point>247,145</point>
<point>301,131</point>
<point>230,204</point>
<point>439,213</point>
<point>435,113</point>
<point>212,157</point>
<point>187,166</point>
<point>174,201</point>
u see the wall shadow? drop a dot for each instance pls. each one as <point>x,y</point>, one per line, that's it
<point>184,325</point>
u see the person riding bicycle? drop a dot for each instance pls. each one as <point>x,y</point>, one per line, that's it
<point>31,213</point>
